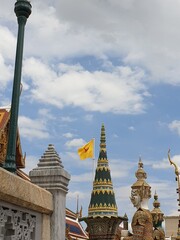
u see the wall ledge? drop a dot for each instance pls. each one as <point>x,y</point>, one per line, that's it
<point>20,192</point>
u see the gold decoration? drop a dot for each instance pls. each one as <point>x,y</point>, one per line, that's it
<point>178,181</point>
<point>3,144</point>
<point>1,116</point>
<point>100,182</point>
<point>103,191</point>
<point>172,163</point>
<point>142,225</point>
<point>103,168</point>
<point>102,160</point>
<point>159,234</point>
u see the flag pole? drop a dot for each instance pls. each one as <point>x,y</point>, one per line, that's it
<point>77,210</point>
<point>93,160</point>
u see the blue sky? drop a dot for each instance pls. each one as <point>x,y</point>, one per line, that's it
<point>92,62</point>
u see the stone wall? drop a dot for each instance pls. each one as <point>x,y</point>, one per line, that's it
<point>25,209</point>
<point>35,210</point>
<point>171,226</point>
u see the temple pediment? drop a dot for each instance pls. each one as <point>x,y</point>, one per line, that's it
<point>4,129</point>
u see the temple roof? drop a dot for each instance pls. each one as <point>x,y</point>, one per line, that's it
<point>102,201</point>
<point>74,229</point>
<point>4,127</point>
<point>50,158</point>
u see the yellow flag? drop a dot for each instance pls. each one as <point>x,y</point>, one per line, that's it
<point>87,151</point>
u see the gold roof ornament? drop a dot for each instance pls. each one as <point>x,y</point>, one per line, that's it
<point>178,189</point>
<point>141,190</point>
<point>157,214</point>
<point>172,163</point>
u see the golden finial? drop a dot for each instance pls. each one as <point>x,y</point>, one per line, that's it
<point>24,157</point>
<point>80,212</point>
<point>140,164</point>
<point>172,163</point>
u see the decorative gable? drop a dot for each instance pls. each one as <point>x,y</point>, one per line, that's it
<point>4,129</point>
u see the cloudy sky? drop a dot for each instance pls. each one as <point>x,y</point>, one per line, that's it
<point>91,62</point>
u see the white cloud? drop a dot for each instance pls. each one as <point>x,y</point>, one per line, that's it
<point>115,135</point>
<point>7,11</point>
<point>123,192</point>
<point>72,159</point>
<point>120,168</point>
<point>68,119</point>
<point>131,128</point>
<point>46,114</point>
<point>73,195</point>
<point>175,159</point>
<point>173,212</point>
<point>32,128</point>
<point>125,29</point>
<point>88,117</point>
<point>68,135</point>
<point>7,44</point>
<point>6,73</point>
<point>141,33</point>
<point>83,200</point>
<point>5,102</point>
<point>161,189</point>
<point>30,163</point>
<point>7,55</point>
<point>72,155</point>
<point>70,68</point>
<point>163,164</point>
<point>175,126</point>
<point>119,92</point>
<point>77,142</point>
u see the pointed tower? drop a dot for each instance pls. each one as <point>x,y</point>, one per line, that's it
<point>102,217</point>
<point>103,201</point>
<point>158,218</point>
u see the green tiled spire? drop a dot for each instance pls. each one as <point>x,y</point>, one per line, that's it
<point>157,214</point>
<point>158,218</point>
<point>102,197</point>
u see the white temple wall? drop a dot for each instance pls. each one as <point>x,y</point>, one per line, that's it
<point>171,226</point>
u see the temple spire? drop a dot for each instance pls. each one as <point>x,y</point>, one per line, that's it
<point>102,198</point>
<point>103,219</point>
<point>158,218</point>
<point>103,140</point>
<point>157,214</point>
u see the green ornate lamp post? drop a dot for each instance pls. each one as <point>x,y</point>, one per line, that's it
<point>23,10</point>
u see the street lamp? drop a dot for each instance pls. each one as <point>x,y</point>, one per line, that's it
<point>22,10</point>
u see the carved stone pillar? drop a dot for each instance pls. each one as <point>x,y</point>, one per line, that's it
<point>50,174</point>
